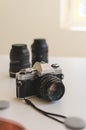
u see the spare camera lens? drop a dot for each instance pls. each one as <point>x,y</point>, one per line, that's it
<point>51,88</point>
<point>39,50</point>
<point>19,58</point>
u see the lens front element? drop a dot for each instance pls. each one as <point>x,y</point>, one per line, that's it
<point>55,91</point>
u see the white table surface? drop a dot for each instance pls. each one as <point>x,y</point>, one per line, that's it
<point>73,102</point>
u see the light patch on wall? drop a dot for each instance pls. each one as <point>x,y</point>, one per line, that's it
<point>73,14</point>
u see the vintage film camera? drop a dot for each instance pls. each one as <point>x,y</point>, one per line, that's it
<point>42,80</point>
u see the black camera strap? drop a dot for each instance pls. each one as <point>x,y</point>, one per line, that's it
<point>70,122</point>
<point>46,113</point>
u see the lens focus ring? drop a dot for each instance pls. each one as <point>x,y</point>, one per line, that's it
<point>51,87</point>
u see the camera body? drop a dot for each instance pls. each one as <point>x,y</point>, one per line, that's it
<point>42,80</point>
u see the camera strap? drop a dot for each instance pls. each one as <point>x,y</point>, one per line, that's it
<point>46,113</point>
<point>70,122</point>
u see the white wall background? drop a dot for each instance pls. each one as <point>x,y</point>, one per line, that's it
<point>23,20</point>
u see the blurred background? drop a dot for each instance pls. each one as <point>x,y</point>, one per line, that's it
<point>61,22</point>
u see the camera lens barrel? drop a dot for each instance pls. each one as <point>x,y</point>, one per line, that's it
<point>39,50</point>
<point>19,58</point>
<point>51,87</point>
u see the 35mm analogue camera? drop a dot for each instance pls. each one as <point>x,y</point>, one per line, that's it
<point>42,80</point>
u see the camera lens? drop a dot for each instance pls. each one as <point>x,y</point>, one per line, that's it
<point>19,58</point>
<point>51,87</point>
<point>39,51</point>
